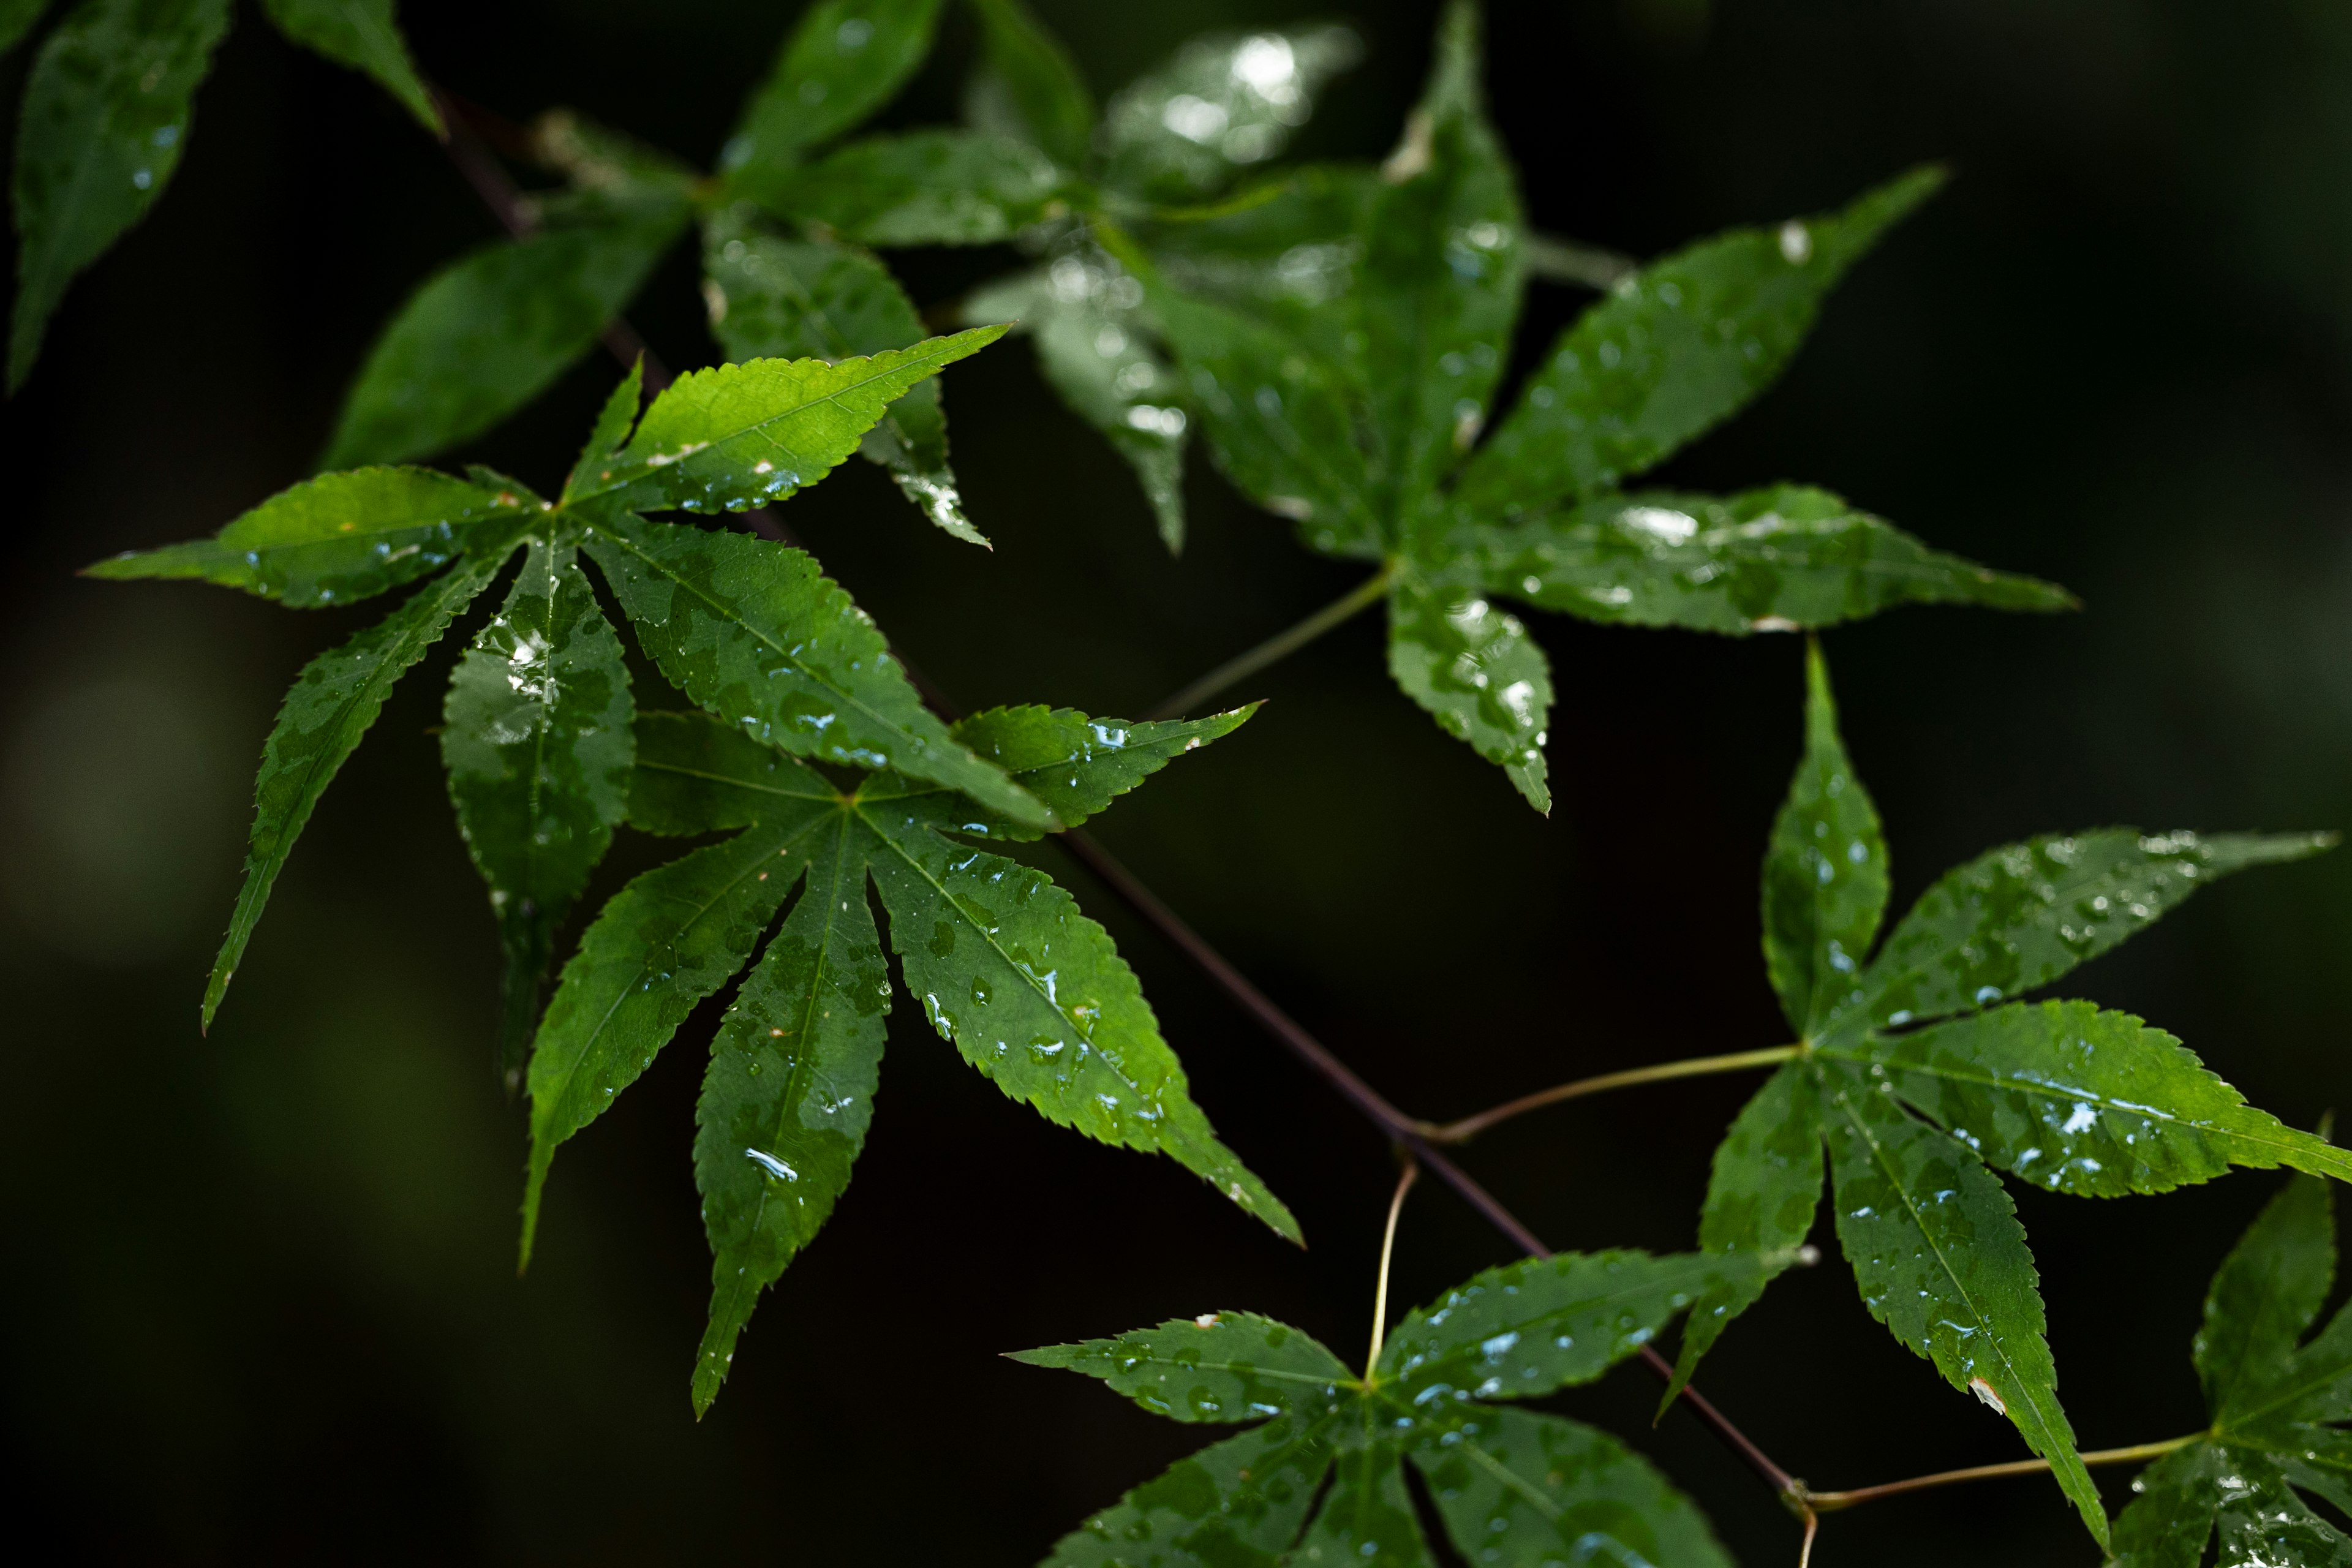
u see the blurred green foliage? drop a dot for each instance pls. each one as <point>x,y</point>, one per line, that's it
<point>261,1302</point>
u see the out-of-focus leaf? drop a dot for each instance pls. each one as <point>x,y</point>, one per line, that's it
<point>1034,995</point>
<point>334,702</point>
<point>696,774</point>
<point>663,944</point>
<point>365,36</point>
<point>1825,871</point>
<point>536,737</point>
<point>1480,673</point>
<point>1085,313</point>
<point>1028,86</point>
<point>844,60</point>
<point>333,540</point>
<point>789,1093</point>
<point>1439,287</point>
<point>106,117</point>
<point>2267,1293</point>
<point>1323,1479</point>
<point>741,436</point>
<point>1673,351</point>
<point>2020,916</point>
<point>1776,559</point>
<point>751,631</point>
<point>2082,1101</point>
<point>926,187</point>
<point>611,431</point>
<point>1941,1262</point>
<point>771,298</point>
<point>491,331</point>
<point>1223,104</point>
<point>16,19</point>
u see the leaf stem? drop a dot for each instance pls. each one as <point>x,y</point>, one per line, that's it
<point>1559,260</point>
<point>1469,1126</point>
<point>1387,1249</point>
<point>1279,646</point>
<point>1829,1502</point>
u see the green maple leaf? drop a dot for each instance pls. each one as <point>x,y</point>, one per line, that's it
<point>1320,1476</point>
<point>1028,990</point>
<point>2276,1409</point>
<point>546,754</point>
<point>1341,343</point>
<point>1922,1072</point>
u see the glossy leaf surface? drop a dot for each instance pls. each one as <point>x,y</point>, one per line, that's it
<point>333,540</point>
<point>1085,313</point>
<point>1825,870</point>
<point>536,737</point>
<point>1762,1192</point>
<point>1029,86</point>
<point>365,36</point>
<point>751,631</point>
<point>1941,1261</point>
<point>1331,1455</point>
<point>1480,673</point>
<point>1222,105</point>
<point>1674,350</point>
<point>2275,1410</point>
<point>928,187</point>
<point>844,60</point>
<point>106,117</point>
<point>2024,915</point>
<point>2085,1101</point>
<point>489,333</point>
<point>739,436</point>
<point>777,298</point>
<point>789,1093</point>
<point>334,702</point>
<point>1777,559</point>
<point>669,939</point>
<point>1034,995</point>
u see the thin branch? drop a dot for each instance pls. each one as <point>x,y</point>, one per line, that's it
<point>1469,1126</point>
<point>497,191</point>
<point>1378,1111</point>
<point>1829,1502</point>
<point>1279,646</point>
<point>1805,1548</point>
<point>1559,260</point>
<point>1388,1250</point>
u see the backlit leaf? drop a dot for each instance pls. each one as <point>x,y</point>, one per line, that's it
<point>1825,871</point>
<point>489,333</point>
<point>789,1093</point>
<point>844,60</point>
<point>1240,1503</point>
<point>1673,351</point>
<point>536,737</point>
<point>741,436</point>
<point>364,35</point>
<point>334,702</point>
<point>1536,1489</point>
<point>771,298</point>
<point>696,774</point>
<point>335,539</point>
<point>1941,1262</point>
<point>106,117</point>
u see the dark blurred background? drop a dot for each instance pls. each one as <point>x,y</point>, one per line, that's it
<point>259,1302</point>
